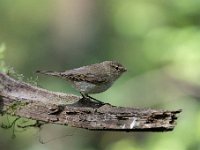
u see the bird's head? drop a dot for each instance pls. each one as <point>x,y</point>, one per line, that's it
<point>115,68</point>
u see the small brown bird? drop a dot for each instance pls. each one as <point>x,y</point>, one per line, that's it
<point>91,79</point>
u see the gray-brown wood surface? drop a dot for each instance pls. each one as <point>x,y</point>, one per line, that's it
<point>21,99</point>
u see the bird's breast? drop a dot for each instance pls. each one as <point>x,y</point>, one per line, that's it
<point>90,88</point>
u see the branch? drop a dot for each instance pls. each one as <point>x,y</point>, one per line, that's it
<point>24,100</point>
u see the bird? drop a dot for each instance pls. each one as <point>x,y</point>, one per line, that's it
<point>91,79</point>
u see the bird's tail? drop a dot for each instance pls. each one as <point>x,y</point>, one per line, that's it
<point>51,73</point>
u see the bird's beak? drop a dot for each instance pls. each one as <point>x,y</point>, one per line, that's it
<point>124,69</point>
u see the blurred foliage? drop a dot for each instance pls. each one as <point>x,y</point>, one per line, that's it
<point>2,63</point>
<point>148,36</point>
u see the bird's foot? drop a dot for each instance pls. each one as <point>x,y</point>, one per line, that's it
<point>86,97</point>
<point>94,99</point>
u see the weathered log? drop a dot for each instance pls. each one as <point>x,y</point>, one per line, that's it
<point>24,100</point>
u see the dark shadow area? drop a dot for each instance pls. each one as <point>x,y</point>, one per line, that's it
<point>87,102</point>
<point>1,105</point>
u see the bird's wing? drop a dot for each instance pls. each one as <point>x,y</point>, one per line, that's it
<point>88,77</point>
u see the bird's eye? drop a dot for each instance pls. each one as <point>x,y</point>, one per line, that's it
<point>117,67</point>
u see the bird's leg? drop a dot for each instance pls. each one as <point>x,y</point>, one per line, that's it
<point>86,96</point>
<point>83,95</point>
<point>95,99</point>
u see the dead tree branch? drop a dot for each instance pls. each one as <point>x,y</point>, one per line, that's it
<point>24,100</point>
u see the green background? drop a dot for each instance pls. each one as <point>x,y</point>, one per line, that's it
<point>157,40</point>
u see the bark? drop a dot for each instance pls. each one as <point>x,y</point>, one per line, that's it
<point>24,100</point>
